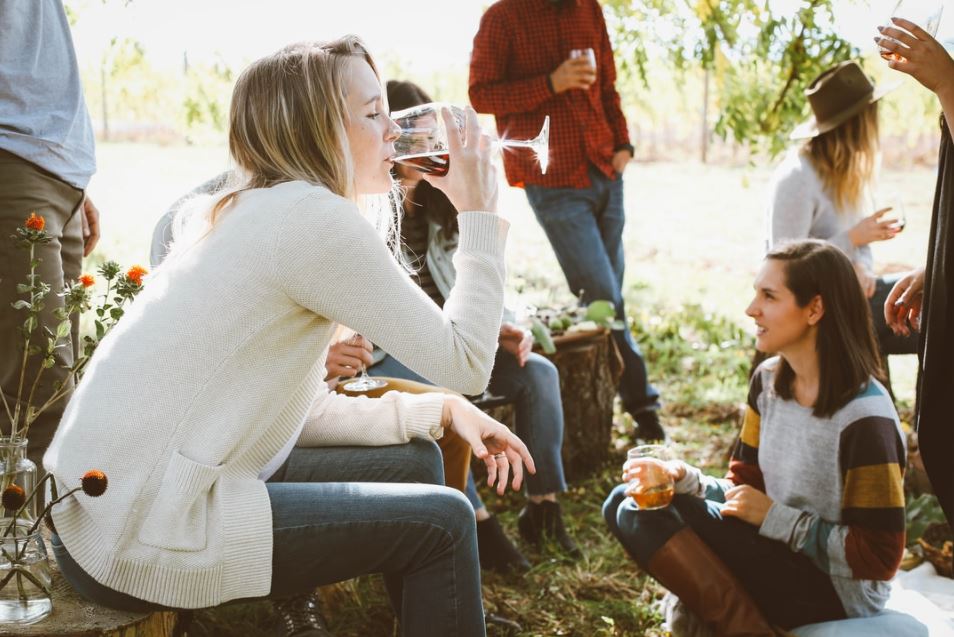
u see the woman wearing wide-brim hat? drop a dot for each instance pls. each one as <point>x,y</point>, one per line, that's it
<point>823,188</point>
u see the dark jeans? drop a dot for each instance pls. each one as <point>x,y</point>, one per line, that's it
<point>535,390</point>
<point>585,229</point>
<point>787,586</point>
<point>335,517</point>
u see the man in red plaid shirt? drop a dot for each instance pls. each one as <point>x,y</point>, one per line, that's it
<point>521,71</point>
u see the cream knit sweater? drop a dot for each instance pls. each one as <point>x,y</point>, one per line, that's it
<point>220,359</point>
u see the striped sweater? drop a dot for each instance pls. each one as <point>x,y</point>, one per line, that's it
<point>835,483</point>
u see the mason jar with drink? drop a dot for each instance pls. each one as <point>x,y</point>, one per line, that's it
<point>649,477</point>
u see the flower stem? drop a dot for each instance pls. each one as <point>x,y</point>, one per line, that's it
<point>49,506</point>
<point>6,406</point>
<point>26,345</point>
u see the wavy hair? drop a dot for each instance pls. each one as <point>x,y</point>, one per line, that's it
<point>846,158</point>
<point>287,122</point>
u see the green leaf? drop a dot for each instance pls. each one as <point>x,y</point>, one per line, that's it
<point>23,288</point>
<point>116,313</point>
<point>541,335</point>
<point>63,329</point>
<point>22,305</point>
<point>600,311</point>
<point>100,330</point>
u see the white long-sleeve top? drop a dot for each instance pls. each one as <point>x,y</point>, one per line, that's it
<point>220,359</point>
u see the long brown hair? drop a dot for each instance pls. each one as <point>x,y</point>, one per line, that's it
<point>846,345</point>
<point>846,157</point>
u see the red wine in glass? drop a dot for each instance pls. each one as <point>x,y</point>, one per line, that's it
<point>423,145</point>
<point>434,163</point>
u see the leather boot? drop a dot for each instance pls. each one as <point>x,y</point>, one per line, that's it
<point>495,550</point>
<point>543,522</point>
<point>301,616</point>
<point>688,567</point>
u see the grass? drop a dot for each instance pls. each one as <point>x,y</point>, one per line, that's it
<point>693,240</point>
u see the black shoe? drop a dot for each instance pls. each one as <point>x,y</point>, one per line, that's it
<point>496,551</point>
<point>301,616</point>
<point>648,427</point>
<point>544,521</point>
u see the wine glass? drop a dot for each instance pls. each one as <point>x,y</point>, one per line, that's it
<point>895,204</point>
<point>423,140</point>
<point>924,13</point>
<point>363,382</point>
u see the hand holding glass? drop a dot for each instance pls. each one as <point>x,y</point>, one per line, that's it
<point>924,13</point>
<point>589,54</point>
<point>893,205</point>
<point>363,382</point>
<point>651,484</point>
<point>423,140</point>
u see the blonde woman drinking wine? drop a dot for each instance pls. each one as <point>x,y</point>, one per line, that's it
<point>206,405</point>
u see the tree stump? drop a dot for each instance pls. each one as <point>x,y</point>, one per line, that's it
<point>590,368</point>
<point>73,616</point>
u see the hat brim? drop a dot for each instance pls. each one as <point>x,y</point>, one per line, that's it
<point>811,127</point>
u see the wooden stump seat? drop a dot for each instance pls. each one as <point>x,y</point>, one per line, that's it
<point>73,616</point>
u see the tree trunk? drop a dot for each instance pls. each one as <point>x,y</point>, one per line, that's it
<point>590,367</point>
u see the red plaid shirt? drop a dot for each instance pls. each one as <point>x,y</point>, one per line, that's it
<point>518,45</point>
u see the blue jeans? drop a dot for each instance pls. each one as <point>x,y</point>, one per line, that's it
<point>335,517</point>
<point>788,588</point>
<point>535,391</point>
<point>585,229</point>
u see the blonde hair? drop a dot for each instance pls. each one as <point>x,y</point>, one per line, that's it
<point>846,158</point>
<point>287,122</point>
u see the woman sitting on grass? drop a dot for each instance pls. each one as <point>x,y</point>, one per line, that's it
<point>207,408</point>
<point>808,526</point>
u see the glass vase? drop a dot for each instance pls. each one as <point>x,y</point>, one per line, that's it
<point>25,579</point>
<point>16,468</point>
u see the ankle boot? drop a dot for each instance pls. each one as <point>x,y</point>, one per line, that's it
<point>301,616</point>
<point>496,551</point>
<point>544,522</point>
<point>688,567</point>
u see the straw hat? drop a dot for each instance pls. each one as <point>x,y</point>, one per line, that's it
<point>835,96</point>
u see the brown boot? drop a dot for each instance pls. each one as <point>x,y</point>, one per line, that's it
<point>702,581</point>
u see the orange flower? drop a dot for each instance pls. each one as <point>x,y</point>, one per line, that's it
<point>35,222</point>
<point>136,273</point>
<point>87,280</point>
<point>13,497</point>
<point>94,483</point>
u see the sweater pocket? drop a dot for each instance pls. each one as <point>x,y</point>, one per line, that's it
<point>177,519</point>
